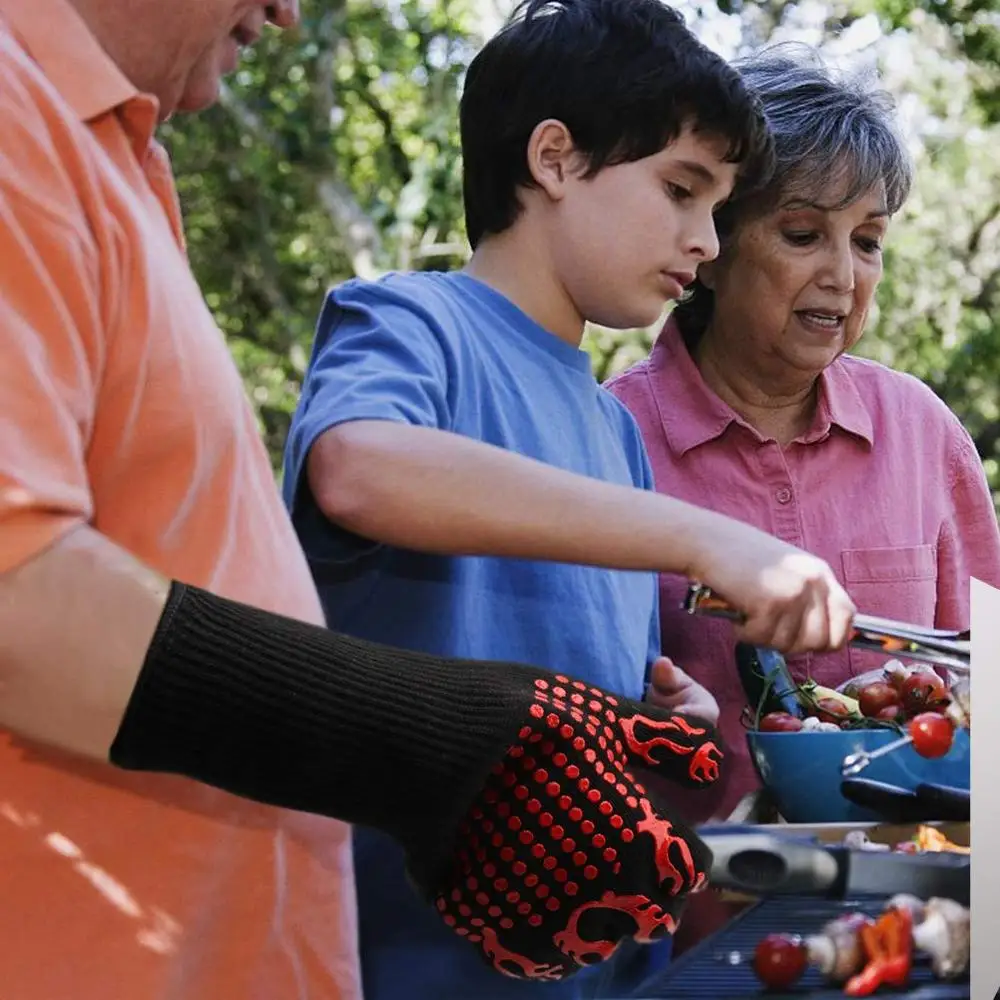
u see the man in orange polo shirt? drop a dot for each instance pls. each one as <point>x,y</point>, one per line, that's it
<point>155,608</point>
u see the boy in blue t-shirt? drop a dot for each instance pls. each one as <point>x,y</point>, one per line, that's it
<point>461,484</point>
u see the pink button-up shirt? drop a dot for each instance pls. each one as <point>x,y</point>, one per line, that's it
<point>886,487</point>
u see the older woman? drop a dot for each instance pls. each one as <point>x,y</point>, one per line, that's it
<point>750,404</point>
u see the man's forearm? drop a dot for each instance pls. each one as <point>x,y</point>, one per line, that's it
<point>75,624</point>
<point>432,491</point>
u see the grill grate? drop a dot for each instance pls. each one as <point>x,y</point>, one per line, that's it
<point>704,974</point>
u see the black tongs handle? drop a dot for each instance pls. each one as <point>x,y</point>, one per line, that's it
<point>879,635</point>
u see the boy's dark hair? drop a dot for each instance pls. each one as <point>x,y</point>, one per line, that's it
<point>625,77</point>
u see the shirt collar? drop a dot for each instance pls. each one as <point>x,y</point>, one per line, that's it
<point>58,39</point>
<point>691,414</point>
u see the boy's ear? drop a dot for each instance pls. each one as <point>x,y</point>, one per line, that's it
<point>707,273</point>
<point>552,157</point>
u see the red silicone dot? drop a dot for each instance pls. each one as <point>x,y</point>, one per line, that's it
<point>521,792</point>
<point>576,715</point>
<point>509,779</point>
<point>482,899</point>
<point>513,897</point>
<point>573,772</point>
<point>561,875</point>
<point>518,751</point>
<point>500,885</point>
<point>594,795</point>
<point>541,776</point>
<point>538,851</point>
<point>639,788</point>
<point>479,922</point>
<point>618,747</point>
<point>524,909</point>
<point>590,872</point>
<point>628,836</point>
<point>565,802</point>
<point>528,763</point>
<point>559,760</point>
<point>535,920</point>
<point>552,788</point>
<point>577,699</point>
<point>610,854</point>
<point>550,863</point>
<point>496,840</point>
<point>545,819</point>
<point>617,822</point>
<point>553,904</point>
<point>557,832</point>
<point>531,880</point>
<point>461,931</point>
<point>494,911</point>
<point>592,730</point>
<point>606,808</point>
<point>598,766</point>
<point>576,814</point>
<point>602,743</point>
<point>579,743</point>
<point>450,920</point>
<point>519,868</point>
<point>533,806</point>
<point>617,868</point>
<point>621,789</point>
<point>568,845</point>
<point>503,810</point>
<point>514,823</point>
<point>609,777</point>
<point>579,858</point>
<point>587,826</point>
<point>542,891</point>
<point>471,884</point>
<point>559,692</point>
<point>552,720</point>
<point>535,738</point>
<point>579,685</point>
<point>571,888</point>
<point>566,731</point>
<point>464,910</point>
<point>507,854</point>
<point>506,923</point>
<point>526,837</point>
<point>599,841</point>
<point>537,711</point>
<point>583,784</point>
<point>542,685</point>
<point>561,679</point>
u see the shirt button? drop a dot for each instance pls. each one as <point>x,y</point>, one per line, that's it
<point>783,495</point>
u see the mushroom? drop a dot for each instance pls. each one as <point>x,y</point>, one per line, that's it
<point>944,934</point>
<point>906,901</point>
<point>837,952</point>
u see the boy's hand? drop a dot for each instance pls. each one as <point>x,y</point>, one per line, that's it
<point>674,690</point>
<point>792,600</point>
<point>564,854</point>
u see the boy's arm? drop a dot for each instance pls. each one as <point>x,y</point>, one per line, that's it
<point>433,491</point>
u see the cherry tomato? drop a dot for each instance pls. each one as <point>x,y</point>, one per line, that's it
<point>780,722</point>
<point>780,960</point>
<point>890,713</point>
<point>876,696</point>
<point>932,734</point>
<point>831,710</point>
<point>922,690</point>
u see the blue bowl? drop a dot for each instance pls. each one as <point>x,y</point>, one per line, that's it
<point>801,771</point>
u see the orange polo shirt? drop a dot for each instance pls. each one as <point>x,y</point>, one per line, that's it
<point>120,407</point>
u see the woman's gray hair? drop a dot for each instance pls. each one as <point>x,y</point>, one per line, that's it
<point>835,137</point>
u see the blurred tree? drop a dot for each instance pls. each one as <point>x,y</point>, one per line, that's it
<point>334,152</point>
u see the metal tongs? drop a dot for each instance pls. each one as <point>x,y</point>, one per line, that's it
<point>878,635</point>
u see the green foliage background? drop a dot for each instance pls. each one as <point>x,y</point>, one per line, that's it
<point>335,153</point>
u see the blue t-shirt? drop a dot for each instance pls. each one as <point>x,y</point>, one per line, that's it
<point>446,351</point>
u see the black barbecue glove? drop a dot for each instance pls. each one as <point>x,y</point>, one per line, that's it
<point>508,786</point>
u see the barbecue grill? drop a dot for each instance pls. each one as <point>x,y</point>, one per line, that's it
<point>707,971</point>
